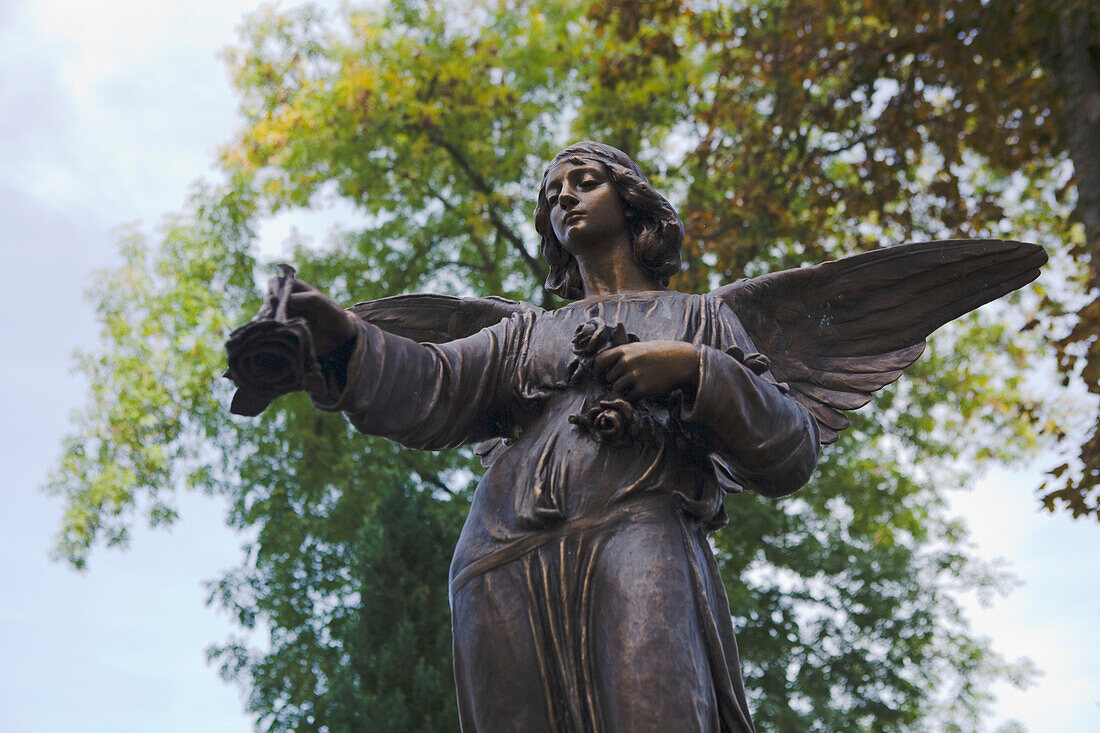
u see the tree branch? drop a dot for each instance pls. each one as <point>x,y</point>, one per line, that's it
<point>480,184</point>
<point>429,478</point>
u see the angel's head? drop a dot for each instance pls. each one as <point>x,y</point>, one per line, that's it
<point>655,231</point>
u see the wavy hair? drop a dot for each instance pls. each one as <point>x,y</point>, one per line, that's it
<point>656,232</point>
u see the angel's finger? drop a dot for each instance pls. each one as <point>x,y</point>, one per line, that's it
<point>617,370</point>
<point>309,302</point>
<point>608,358</point>
<point>298,286</point>
<point>624,385</point>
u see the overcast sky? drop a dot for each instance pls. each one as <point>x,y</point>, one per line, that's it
<point>108,112</point>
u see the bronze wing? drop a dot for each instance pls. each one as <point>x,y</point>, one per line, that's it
<point>431,318</point>
<point>839,331</point>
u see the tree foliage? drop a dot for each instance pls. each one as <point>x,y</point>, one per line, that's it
<point>837,126</point>
<point>784,131</point>
<point>347,573</point>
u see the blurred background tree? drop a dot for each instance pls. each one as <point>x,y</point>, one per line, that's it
<point>785,132</point>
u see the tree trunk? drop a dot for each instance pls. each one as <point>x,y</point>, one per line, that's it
<point>1080,77</point>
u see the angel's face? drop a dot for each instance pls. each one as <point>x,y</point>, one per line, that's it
<point>585,207</point>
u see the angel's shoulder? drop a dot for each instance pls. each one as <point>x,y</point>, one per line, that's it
<point>723,325</point>
<point>724,309</point>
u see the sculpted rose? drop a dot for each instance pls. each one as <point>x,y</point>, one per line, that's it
<point>270,355</point>
<point>591,336</point>
<point>268,359</point>
<point>610,420</point>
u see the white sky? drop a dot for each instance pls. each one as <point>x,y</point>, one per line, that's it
<point>108,112</point>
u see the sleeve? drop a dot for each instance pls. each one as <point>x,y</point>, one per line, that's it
<point>769,441</point>
<point>430,396</point>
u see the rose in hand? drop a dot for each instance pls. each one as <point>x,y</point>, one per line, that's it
<point>332,327</point>
<point>277,352</point>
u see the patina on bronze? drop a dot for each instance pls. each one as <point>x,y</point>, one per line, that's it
<point>584,594</point>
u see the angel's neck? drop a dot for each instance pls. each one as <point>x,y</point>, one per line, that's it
<point>612,272</point>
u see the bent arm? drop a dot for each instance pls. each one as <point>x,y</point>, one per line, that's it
<point>770,440</point>
<point>430,396</point>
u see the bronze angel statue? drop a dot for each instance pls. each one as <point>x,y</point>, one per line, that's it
<point>584,594</point>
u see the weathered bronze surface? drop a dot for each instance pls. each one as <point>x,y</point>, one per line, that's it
<point>584,594</point>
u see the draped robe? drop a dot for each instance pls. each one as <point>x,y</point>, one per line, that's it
<point>584,594</point>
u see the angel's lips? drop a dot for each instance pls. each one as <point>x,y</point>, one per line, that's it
<point>573,216</point>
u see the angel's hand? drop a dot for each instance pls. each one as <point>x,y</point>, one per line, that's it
<point>650,368</point>
<point>331,326</point>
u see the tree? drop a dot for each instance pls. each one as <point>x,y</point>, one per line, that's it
<point>843,125</point>
<point>349,571</point>
<point>434,123</point>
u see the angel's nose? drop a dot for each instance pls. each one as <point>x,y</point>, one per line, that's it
<point>567,200</point>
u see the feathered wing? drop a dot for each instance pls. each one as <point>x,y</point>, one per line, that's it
<point>839,331</point>
<point>431,318</point>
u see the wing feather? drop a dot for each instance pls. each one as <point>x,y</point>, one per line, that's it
<point>428,317</point>
<point>888,362</point>
<point>834,397</point>
<point>857,382</point>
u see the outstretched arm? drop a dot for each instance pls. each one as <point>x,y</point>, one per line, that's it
<point>421,395</point>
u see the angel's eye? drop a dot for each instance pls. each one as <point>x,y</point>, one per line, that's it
<point>552,200</point>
